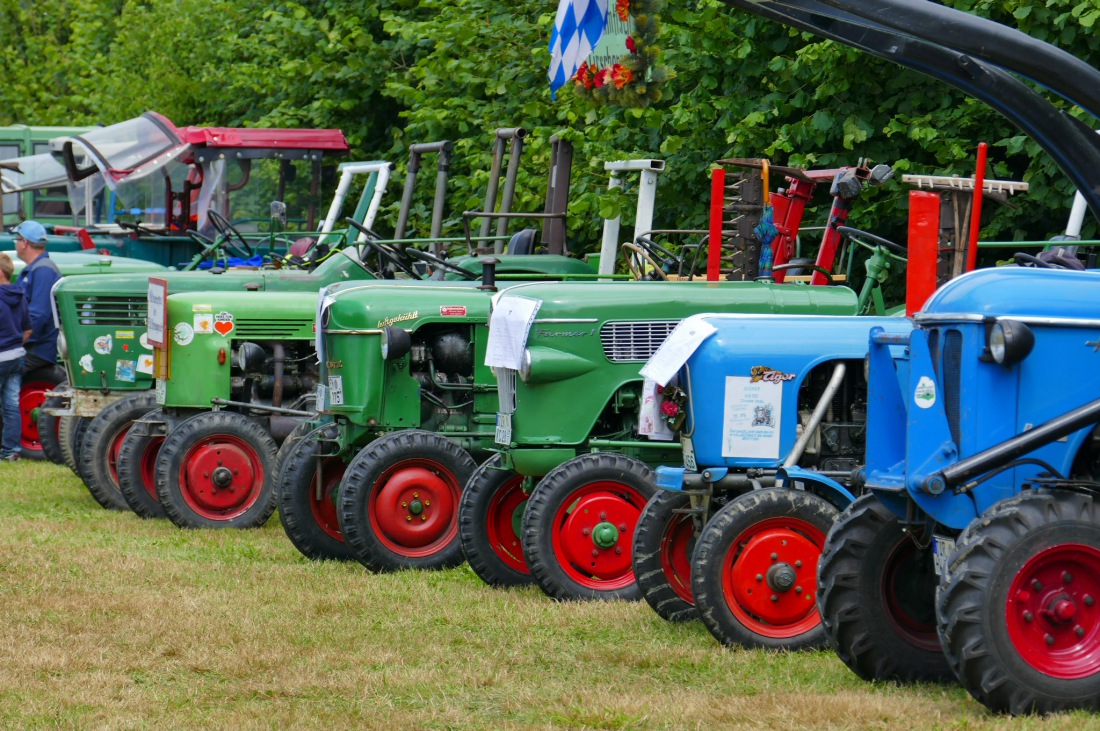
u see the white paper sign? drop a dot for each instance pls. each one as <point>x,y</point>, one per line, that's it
<point>509,326</point>
<point>676,349</point>
<point>751,418</point>
<point>650,423</point>
<point>157,314</point>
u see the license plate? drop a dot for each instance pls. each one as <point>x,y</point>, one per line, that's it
<point>504,429</point>
<point>336,390</point>
<point>689,454</point>
<point>160,391</point>
<point>942,548</point>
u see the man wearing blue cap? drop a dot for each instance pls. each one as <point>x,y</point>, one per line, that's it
<point>37,279</point>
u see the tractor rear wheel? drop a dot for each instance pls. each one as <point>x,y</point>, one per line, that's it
<point>754,570</point>
<point>578,529</point>
<point>32,394</point>
<point>215,470</point>
<point>136,467</point>
<point>663,545</point>
<point>98,458</point>
<point>398,501</point>
<point>1018,616</point>
<point>306,488</point>
<point>70,432</point>
<point>490,519</point>
<point>876,593</point>
<point>47,429</point>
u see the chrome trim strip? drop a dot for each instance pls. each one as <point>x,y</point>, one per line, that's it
<point>1027,320</point>
<point>562,320</point>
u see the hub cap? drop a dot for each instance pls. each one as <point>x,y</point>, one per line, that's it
<point>221,477</point>
<point>594,534</point>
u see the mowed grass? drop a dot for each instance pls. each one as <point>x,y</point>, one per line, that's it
<point>113,622</point>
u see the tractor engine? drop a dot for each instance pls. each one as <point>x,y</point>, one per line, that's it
<point>838,442</point>
<point>274,373</point>
<point>442,362</point>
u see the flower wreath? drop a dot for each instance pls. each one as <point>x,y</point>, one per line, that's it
<point>636,80</point>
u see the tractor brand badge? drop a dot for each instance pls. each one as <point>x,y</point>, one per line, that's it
<point>102,344</point>
<point>769,375</point>
<point>124,334</point>
<point>204,323</point>
<point>398,318</point>
<point>925,394</point>
<point>144,340</point>
<point>452,310</point>
<point>86,362</point>
<point>762,416</point>
<point>124,371</point>
<point>183,334</point>
<point>223,323</point>
<point>201,308</point>
<point>145,364</point>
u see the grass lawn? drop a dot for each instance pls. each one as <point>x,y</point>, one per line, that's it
<point>113,622</point>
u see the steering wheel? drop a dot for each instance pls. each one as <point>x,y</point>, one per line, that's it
<point>815,267</point>
<point>633,252</point>
<point>435,261</point>
<point>233,240</point>
<point>1028,260</point>
<point>871,241</point>
<point>397,257</point>
<point>138,228</point>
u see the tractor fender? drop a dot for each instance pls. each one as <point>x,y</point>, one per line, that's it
<point>818,484</point>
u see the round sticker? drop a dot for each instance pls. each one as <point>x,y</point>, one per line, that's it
<point>86,362</point>
<point>102,344</point>
<point>144,340</point>
<point>183,334</point>
<point>925,394</point>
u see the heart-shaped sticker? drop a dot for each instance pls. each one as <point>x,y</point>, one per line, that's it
<point>224,327</point>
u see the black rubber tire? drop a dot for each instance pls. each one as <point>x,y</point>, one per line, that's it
<point>794,525</point>
<point>493,548</point>
<point>310,524</point>
<point>292,438</point>
<point>975,606</point>
<point>137,459</point>
<point>47,430</point>
<point>98,457</point>
<point>42,379</point>
<point>202,441</point>
<point>70,431</point>
<point>629,484</point>
<point>374,535</point>
<point>663,578</point>
<point>865,549</point>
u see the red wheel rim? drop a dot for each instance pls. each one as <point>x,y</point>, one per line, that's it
<point>676,545</point>
<point>412,508</point>
<point>769,577</point>
<point>113,450</point>
<point>322,495</point>
<point>501,523</point>
<point>31,396</point>
<point>147,466</point>
<point>1051,611</point>
<point>221,476</point>
<point>907,600</point>
<point>593,533</point>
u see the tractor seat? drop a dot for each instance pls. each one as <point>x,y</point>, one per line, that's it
<point>523,242</point>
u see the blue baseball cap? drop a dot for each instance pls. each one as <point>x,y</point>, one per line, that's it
<point>32,231</point>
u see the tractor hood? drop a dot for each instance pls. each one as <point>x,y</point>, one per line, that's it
<point>1015,292</point>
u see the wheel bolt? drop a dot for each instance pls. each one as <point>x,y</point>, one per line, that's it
<point>404,504</point>
<point>603,516</point>
<point>798,564</point>
<point>595,552</point>
<point>1049,639</point>
<point>1037,585</point>
<point>1067,577</point>
<point>427,503</point>
<point>798,590</point>
<point>622,527</point>
<point>219,463</point>
<point>1089,601</point>
<point>408,517</point>
<point>416,494</point>
<point>206,474</point>
<point>1079,631</point>
<point>585,531</point>
<point>1028,616</point>
<point>618,550</point>
<point>775,557</point>
<point>760,577</point>
<point>775,597</point>
<point>423,518</point>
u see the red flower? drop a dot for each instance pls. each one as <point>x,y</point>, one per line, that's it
<point>621,75</point>
<point>670,409</point>
<point>630,45</point>
<point>660,390</point>
<point>603,76</point>
<point>622,8</point>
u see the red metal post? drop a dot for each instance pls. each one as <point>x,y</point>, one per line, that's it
<point>976,209</point>
<point>717,205</point>
<point>924,244</point>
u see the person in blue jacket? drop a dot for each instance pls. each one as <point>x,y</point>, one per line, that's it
<point>14,322</point>
<point>37,279</point>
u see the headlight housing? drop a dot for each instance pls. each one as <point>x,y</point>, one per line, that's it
<point>525,370</point>
<point>396,343</point>
<point>1010,341</point>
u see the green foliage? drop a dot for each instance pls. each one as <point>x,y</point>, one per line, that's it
<point>395,72</point>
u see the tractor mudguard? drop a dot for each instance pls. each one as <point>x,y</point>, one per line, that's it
<point>818,484</point>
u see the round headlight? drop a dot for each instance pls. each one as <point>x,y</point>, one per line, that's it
<point>525,369</point>
<point>396,343</point>
<point>1010,341</point>
<point>62,346</point>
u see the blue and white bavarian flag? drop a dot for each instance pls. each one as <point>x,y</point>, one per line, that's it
<point>577,30</point>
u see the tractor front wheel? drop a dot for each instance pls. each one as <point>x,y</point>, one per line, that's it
<point>578,529</point>
<point>98,458</point>
<point>306,487</point>
<point>70,432</point>
<point>490,519</point>
<point>32,394</point>
<point>47,428</point>
<point>215,470</point>
<point>398,501</point>
<point>876,593</point>
<point>663,545</point>
<point>754,570</point>
<point>137,467</point>
<point>1018,617</point>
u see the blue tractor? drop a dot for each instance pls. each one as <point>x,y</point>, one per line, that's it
<point>975,552</point>
<point>772,432</point>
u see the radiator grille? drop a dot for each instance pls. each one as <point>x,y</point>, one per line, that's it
<point>952,366</point>
<point>634,341</point>
<point>273,329</point>
<point>113,311</point>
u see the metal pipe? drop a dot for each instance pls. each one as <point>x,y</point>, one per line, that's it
<point>557,193</point>
<point>514,157</point>
<point>261,407</point>
<point>818,414</point>
<point>277,386</point>
<point>416,151</point>
<point>499,136</point>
